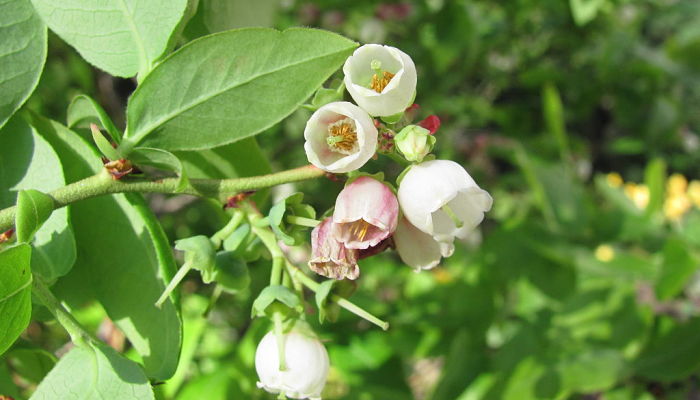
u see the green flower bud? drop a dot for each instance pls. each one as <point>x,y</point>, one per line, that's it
<point>414,142</point>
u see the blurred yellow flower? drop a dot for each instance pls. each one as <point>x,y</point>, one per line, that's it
<point>639,194</point>
<point>694,192</point>
<point>604,253</point>
<point>676,205</point>
<point>676,185</point>
<point>614,179</point>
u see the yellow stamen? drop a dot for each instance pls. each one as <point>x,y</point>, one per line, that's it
<point>342,136</point>
<point>378,84</point>
<point>359,229</point>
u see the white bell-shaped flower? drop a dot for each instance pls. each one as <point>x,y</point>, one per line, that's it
<point>417,249</point>
<point>306,362</point>
<point>441,199</point>
<point>340,137</point>
<point>381,79</point>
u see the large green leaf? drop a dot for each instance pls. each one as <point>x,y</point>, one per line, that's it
<point>230,86</point>
<point>122,37</point>
<point>15,293</point>
<point>27,161</point>
<point>94,371</point>
<point>123,258</point>
<point>22,54</point>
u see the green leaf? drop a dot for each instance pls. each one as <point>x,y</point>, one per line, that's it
<point>554,117</point>
<point>123,260</point>
<point>94,371</point>
<point>83,111</point>
<point>31,364</point>
<point>103,144</point>
<point>224,73</point>
<point>28,161</point>
<point>122,37</point>
<point>15,293</point>
<point>322,293</point>
<point>160,159</point>
<point>655,179</point>
<point>33,209</point>
<point>678,267</point>
<point>584,11</point>
<point>672,355</point>
<point>273,293</point>
<point>22,54</point>
<point>221,15</point>
<point>199,254</point>
<point>291,206</point>
<point>231,272</point>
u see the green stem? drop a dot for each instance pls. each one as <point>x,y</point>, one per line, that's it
<point>296,273</point>
<point>77,333</point>
<point>301,221</point>
<point>227,230</point>
<point>179,276</point>
<point>279,336</point>
<point>221,189</point>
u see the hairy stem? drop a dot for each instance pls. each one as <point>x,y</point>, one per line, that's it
<point>102,183</point>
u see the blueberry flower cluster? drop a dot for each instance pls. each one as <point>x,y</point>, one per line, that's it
<point>437,200</point>
<point>434,203</point>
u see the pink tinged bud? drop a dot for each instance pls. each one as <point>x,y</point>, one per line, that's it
<point>441,199</point>
<point>366,212</point>
<point>329,257</point>
<point>417,249</point>
<point>340,137</point>
<point>431,123</point>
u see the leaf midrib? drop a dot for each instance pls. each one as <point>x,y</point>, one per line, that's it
<point>138,137</point>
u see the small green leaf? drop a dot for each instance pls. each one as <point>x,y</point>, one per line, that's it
<point>122,37</point>
<point>33,209</point>
<point>199,254</point>
<point>160,159</point>
<point>554,118</point>
<point>15,293</point>
<point>22,54</point>
<point>324,96</point>
<point>291,206</point>
<point>223,72</point>
<point>94,371</point>
<point>231,272</point>
<point>234,241</point>
<point>271,294</point>
<point>83,111</point>
<point>324,289</point>
<point>103,144</point>
<point>678,266</point>
<point>655,179</point>
<point>584,11</point>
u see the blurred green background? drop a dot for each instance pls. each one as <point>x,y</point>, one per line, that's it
<point>580,117</point>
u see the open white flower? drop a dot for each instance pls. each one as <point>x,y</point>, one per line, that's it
<point>306,362</point>
<point>441,199</point>
<point>381,79</point>
<point>417,249</point>
<point>340,137</point>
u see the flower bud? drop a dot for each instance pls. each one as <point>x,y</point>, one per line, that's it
<point>441,199</point>
<point>340,137</point>
<point>329,257</point>
<point>366,212</point>
<point>306,361</point>
<point>414,142</point>
<point>381,79</point>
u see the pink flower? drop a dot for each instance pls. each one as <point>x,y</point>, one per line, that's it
<point>366,212</point>
<point>417,249</point>
<point>329,257</point>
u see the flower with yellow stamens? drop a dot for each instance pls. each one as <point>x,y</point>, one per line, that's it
<point>614,180</point>
<point>340,137</point>
<point>639,194</point>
